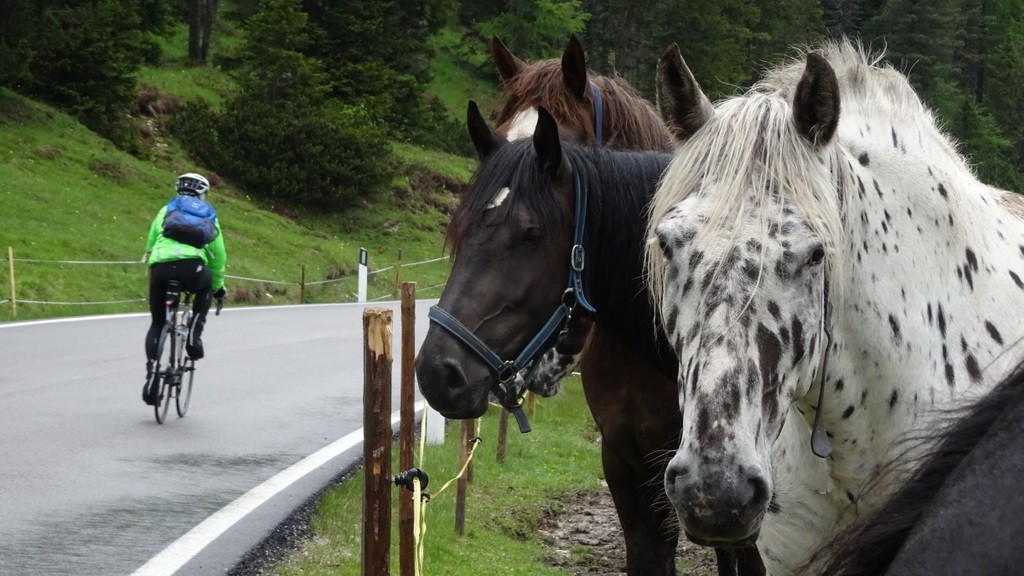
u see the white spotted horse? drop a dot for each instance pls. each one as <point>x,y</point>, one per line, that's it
<point>548,230</point>
<point>829,271</point>
<point>960,512</point>
<point>590,110</point>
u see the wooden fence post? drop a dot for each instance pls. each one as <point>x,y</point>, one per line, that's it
<point>376,548</point>
<point>302,286</point>
<point>398,271</point>
<point>407,431</point>
<point>502,434</point>
<point>468,429</point>
<point>14,297</point>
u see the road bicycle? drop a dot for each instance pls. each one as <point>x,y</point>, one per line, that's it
<point>174,370</point>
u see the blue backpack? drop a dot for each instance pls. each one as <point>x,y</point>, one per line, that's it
<point>190,220</point>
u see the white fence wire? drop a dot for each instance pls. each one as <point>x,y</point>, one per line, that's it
<point>233,277</point>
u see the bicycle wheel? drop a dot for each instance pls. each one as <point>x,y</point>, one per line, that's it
<point>162,373</point>
<point>186,371</point>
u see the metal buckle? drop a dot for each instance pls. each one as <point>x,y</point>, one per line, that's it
<point>508,371</point>
<point>576,257</point>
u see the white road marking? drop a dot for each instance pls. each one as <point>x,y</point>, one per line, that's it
<point>179,552</point>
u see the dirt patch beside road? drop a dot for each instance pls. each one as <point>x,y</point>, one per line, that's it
<point>585,537</point>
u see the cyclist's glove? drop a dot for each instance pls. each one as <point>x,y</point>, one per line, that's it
<point>221,293</point>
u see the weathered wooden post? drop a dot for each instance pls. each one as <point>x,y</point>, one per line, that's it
<point>502,434</point>
<point>377,332</point>
<point>468,428</point>
<point>407,431</point>
<point>302,286</point>
<point>398,271</point>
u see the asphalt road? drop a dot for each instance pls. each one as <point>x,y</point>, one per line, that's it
<point>90,484</point>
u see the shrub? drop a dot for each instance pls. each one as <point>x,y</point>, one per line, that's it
<point>324,157</point>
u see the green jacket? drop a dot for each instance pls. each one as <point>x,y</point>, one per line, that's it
<point>159,248</point>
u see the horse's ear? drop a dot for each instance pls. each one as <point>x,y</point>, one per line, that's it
<point>682,104</point>
<point>574,67</point>
<point>816,102</point>
<point>547,144</point>
<point>484,138</point>
<point>509,65</point>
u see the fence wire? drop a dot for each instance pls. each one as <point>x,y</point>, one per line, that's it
<point>244,278</point>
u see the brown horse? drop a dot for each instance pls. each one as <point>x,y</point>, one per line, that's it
<point>629,386</point>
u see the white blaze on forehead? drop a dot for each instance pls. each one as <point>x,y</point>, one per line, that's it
<point>523,125</point>
<point>499,198</point>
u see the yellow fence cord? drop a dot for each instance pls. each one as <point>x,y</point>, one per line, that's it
<point>419,509</point>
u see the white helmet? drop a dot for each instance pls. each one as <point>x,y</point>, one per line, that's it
<point>192,184</point>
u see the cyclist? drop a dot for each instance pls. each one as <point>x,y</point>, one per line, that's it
<point>199,270</point>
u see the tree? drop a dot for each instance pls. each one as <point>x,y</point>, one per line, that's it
<point>843,18</point>
<point>281,136</point>
<point>84,60</point>
<point>536,28</point>
<point>1004,88</point>
<point>202,15</point>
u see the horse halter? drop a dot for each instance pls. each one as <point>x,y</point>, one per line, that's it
<point>598,115</point>
<point>820,444</point>
<point>507,387</point>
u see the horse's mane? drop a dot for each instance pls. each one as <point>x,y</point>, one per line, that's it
<point>869,88</point>
<point>630,121</point>
<point>751,141</point>
<point>869,546</point>
<point>750,144</point>
<point>617,175</point>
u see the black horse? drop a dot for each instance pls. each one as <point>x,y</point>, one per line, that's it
<point>961,512</point>
<point>548,232</point>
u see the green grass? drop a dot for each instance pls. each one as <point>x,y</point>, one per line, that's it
<point>175,76</point>
<point>462,70</point>
<point>505,504</point>
<point>69,195</point>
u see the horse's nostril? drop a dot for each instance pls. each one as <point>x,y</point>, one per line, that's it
<point>453,375</point>
<point>760,493</point>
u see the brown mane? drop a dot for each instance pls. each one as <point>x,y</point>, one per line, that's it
<point>630,122</point>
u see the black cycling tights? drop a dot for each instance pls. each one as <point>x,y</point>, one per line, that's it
<point>195,277</point>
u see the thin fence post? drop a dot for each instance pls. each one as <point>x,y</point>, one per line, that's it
<point>302,286</point>
<point>398,271</point>
<point>376,541</point>
<point>468,428</point>
<point>502,434</point>
<point>407,431</point>
<point>14,297</point>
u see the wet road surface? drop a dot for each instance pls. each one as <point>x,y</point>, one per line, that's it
<point>91,484</point>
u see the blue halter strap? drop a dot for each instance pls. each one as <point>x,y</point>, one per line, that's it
<point>509,389</point>
<point>598,115</point>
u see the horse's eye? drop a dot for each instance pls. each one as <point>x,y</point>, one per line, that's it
<point>531,234</point>
<point>816,257</point>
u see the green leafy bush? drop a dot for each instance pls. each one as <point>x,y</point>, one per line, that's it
<point>326,157</point>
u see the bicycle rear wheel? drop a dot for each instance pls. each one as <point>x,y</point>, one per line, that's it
<point>162,372</point>
<point>186,371</point>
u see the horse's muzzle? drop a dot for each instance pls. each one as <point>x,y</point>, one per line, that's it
<point>718,507</point>
<point>447,387</point>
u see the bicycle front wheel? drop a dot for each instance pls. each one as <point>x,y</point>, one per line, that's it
<point>187,372</point>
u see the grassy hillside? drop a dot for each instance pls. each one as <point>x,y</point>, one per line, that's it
<point>71,196</point>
